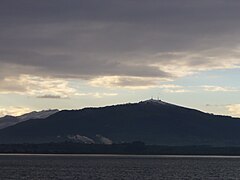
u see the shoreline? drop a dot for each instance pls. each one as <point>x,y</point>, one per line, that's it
<point>131,149</point>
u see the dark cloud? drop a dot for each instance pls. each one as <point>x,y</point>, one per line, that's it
<point>92,38</point>
<point>49,97</point>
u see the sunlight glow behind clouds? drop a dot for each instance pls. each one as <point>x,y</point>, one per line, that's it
<point>234,109</point>
<point>37,86</point>
<point>44,87</point>
<point>14,111</point>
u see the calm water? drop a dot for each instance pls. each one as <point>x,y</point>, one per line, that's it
<point>117,167</point>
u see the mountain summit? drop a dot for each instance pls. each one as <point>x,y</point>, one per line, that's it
<point>151,121</point>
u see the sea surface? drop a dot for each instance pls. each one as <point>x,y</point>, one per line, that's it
<point>114,167</point>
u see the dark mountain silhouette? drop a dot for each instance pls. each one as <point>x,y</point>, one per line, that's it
<point>8,121</point>
<point>12,120</point>
<point>151,121</point>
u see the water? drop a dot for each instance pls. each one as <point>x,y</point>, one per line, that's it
<point>100,167</point>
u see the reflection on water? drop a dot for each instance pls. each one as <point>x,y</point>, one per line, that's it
<point>91,167</point>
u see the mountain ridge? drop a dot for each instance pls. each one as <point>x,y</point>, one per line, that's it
<point>10,120</point>
<point>152,122</point>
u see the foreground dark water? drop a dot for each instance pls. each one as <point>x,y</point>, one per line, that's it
<point>91,167</point>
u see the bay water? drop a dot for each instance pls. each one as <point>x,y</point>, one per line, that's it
<point>116,167</point>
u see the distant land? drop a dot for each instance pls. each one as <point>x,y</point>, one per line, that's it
<point>134,148</point>
<point>152,122</point>
<point>12,120</point>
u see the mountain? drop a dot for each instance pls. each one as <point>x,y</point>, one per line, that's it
<point>37,114</point>
<point>12,120</point>
<point>8,121</point>
<point>151,121</point>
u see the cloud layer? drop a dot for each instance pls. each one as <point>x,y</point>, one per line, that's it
<point>219,89</point>
<point>70,49</point>
<point>36,86</point>
<point>95,39</point>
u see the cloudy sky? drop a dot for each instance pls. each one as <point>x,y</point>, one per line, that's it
<point>69,54</point>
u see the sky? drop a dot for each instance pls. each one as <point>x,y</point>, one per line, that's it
<point>70,54</point>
